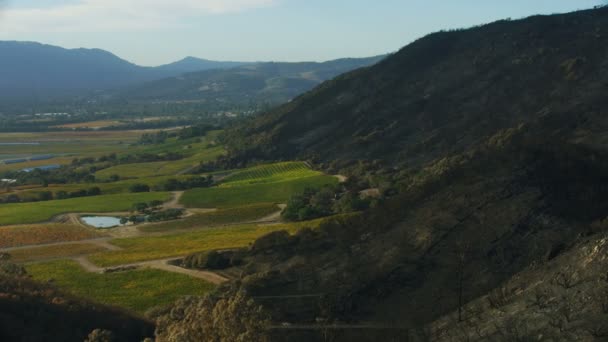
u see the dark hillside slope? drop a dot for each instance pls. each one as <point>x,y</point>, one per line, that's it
<point>31,311</point>
<point>443,93</point>
<point>505,132</point>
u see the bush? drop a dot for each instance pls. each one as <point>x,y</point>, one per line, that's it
<point>61,195</point>
<point>271,240</point>
<point>45,196</point>
<point>139,188</point>
<point>94,191</point>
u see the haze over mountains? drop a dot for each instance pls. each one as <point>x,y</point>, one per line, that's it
<point>32,68</point>
<point>33,71</point>
<point>268,82</point>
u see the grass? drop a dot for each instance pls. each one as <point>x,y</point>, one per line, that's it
<point>270,173</point>
<point>226,197</point>
<point>106,188</point>
<point>175,245</point>
<point>138,290</point>
<point>76,143</point>
<point>92,124</point>
<point>161,168</point>
<point>23,213</point>
<point>43,233</point>
<point>53,252</point>
<point>35,163</point>
<point>217,218</point>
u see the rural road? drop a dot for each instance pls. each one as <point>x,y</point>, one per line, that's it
<point>161,264</point>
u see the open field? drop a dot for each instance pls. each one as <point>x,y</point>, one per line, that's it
<point>216,218</point>
<point>24,213</point>
<point>15,236</point>
<point>226,197</point>
<point>167,246</point>
<point>161,168</point>
<point>269,173</point>
<point>64,145</point>
<point>106,188</point>
<point>137,290</point>
<point>92,124</point>
<point>35,163</point>
<point>54,252</point>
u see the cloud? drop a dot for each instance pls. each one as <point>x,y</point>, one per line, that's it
<point>118,15</point>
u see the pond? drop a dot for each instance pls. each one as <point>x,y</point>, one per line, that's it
<point>102,221</point>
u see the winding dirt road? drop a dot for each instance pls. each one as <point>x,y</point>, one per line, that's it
<point>162,264</point>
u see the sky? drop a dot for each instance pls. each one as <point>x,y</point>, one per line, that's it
<point>154,32</point>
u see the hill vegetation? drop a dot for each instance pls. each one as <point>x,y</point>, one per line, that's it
<point>46,71</point>
<point>493,138</point>
<point>260,83</point>
<point>32,311</point>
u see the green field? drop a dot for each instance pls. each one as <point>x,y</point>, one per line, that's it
<point>217,218</point>
<point>167,246</point>
<point>233,196</point>
<point>62,143</point>
<point>270,173</point>
<point>106,188</point>
<point>137,290</point>
<point>35,234</point>
<point>194,150</point>
<point>161,168</point>
<point>24,213</point>
<point>54,252</point>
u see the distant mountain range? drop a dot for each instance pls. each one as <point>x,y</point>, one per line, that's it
<point>31,69</point>
<point>254,83</point>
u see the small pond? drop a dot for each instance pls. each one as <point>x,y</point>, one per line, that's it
<point>101,221</point>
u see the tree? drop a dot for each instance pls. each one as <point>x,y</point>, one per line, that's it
<point>61,195</point>
<point>140,207</point>
<point>100,335</point>
<point>235,318</point>
<point>139,188</point>
<point>94,191</point>
<point>45,196</point>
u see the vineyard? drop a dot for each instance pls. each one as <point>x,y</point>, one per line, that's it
<point>269,174</point>
<point>167,246</point>
<point>215,218</point>
<point>137,290</point>
<point>15,236</point>
<point>234,196</point>
<point>23,213</point>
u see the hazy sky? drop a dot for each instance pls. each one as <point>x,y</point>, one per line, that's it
<point>152,32</point>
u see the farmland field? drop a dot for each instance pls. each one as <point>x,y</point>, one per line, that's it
<point>226,197</point>
<point>53,252</point>
<point>23,213</point>
<point>92,124</point>
<point>269,173</point>
<point>137,290</point>
<point>167,246</point>
<point>106,188</point>
<point>161,168</point>
<point>15,236</point>
<point>219,217</point>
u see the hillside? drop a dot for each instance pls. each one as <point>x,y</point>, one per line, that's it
<point>34,70</point>
<point>443,93</point>
<point>190,64</point>
<point>496,140</point>
<point>270,83</point>
<point>31,311</point>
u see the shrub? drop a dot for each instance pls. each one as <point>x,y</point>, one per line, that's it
<point>139,188</point>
